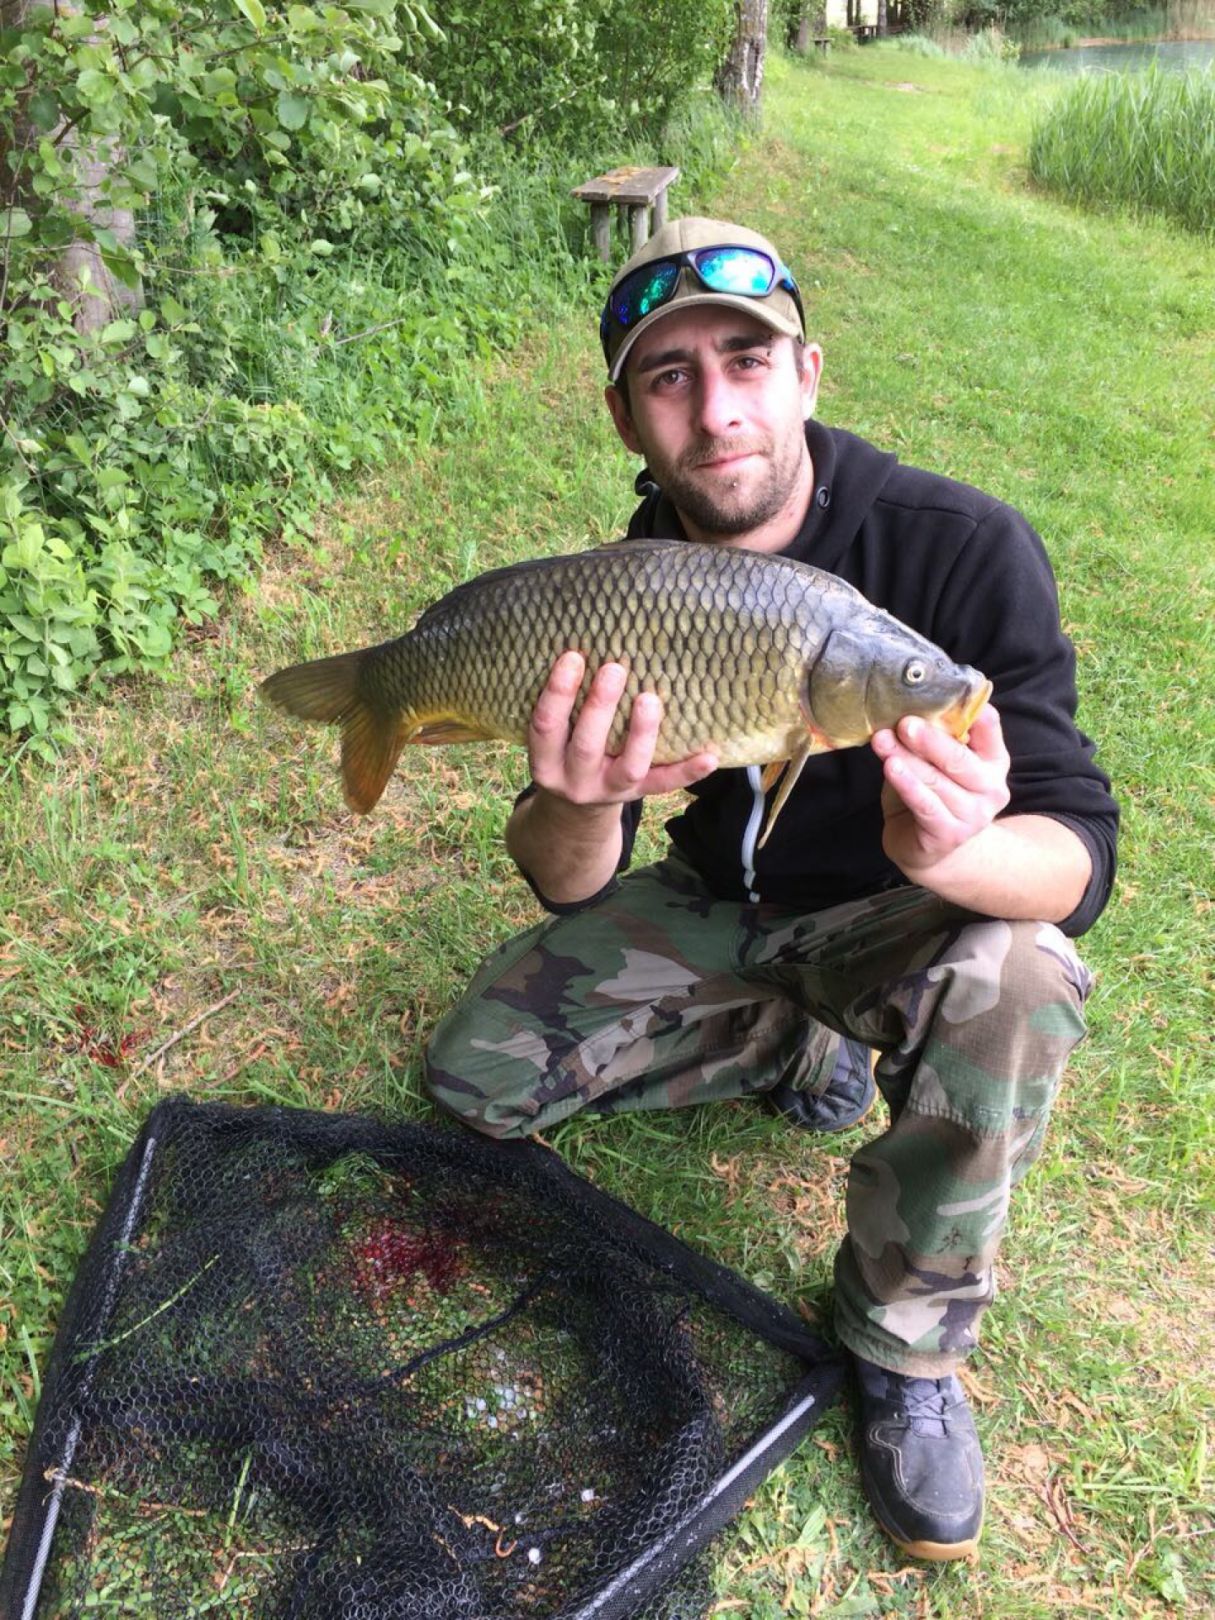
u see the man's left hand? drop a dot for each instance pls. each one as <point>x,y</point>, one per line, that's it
<point>939,793</point>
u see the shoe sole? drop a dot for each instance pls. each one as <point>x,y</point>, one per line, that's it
<point>935,1552</point>
<point>851,1125</point>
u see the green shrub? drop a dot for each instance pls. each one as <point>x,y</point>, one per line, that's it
<point>1144,141</point>
<point>991,44</point>
<point>327,242</point>
<point>920,45</point>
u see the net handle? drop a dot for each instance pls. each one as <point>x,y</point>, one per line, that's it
<point>59,1473</point>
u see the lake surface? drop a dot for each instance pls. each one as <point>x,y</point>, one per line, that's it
<point>1176,54</point>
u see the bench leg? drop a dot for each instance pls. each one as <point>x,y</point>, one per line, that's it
<point>660,209</point>
<point>639,226</point>
<point>601,230</point>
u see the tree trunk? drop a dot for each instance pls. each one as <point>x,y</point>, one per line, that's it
<point>741,76</point>
<point>801,42</point>
<point>103,297</point>
<point>881,18</point>
<point>91,162</point>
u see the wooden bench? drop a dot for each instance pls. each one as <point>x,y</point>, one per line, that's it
<point>635,193</point>
<point>822,42</point>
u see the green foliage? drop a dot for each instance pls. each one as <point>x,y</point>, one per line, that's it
<point>1144,141</point>
<point>921,45</point>
<point>267,155</point>
<point>991,44</point>
<point>326,244</point>
<point>569,69</point>
<point>1062,22</point>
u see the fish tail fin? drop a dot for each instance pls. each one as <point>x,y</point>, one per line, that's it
<point>328,689</point>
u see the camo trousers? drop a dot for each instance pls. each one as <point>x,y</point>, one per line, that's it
<point>662,995</point>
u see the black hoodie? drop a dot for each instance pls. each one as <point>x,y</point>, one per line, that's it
<point>961,568</point>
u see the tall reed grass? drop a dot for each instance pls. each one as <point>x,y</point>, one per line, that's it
<point>1144,141</point>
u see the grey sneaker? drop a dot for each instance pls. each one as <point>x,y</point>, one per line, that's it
<point>846,1101</point>
<point>921,1465</point>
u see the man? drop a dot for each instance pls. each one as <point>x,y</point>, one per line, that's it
<point>915,898</point>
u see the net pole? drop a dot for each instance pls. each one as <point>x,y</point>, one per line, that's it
<point>636,1580</point>
<point>60,1474</point>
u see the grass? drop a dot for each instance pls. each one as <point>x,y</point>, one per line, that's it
<point>1144,141</point>
<point>192,845</point>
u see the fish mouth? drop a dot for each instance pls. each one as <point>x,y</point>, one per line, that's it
<point>960,716</point>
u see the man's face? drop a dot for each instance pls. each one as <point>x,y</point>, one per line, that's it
<point>717,407</point>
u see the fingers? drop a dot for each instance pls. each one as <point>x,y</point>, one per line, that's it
<point>570,756</point>
<point>950,790</point>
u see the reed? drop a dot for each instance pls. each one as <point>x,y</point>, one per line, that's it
<point>1143,141</point>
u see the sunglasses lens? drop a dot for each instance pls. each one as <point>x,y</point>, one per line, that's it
<point>649,288</point>
<point>736,270</point>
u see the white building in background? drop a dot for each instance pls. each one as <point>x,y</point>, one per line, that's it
<point>866,15</point>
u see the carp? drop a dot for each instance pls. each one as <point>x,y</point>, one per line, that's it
<point>761,659</point>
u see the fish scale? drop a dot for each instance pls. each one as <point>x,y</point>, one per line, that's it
<point>760,659</point>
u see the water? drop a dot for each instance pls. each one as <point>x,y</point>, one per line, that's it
<point>1176,54</point>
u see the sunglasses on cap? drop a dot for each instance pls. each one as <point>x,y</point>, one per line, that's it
<point>743,272</point>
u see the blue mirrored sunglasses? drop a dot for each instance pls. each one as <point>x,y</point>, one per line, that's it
<point>743,272</point>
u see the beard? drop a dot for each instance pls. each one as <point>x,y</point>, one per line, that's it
<point>735,506</point>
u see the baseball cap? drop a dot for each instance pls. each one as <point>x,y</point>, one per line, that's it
<point>708,274</point>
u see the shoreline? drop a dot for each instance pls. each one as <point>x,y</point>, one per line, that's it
<point>1186,36</point>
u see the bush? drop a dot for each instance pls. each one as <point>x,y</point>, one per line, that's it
<point>1144,141</point>
<point>571,69</point>
<point>324,237</point>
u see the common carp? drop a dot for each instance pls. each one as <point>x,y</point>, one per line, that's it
<point>761,659</point>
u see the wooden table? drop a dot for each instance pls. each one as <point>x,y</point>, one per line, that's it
<point>636,193</point>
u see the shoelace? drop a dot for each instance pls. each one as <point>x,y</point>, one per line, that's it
<point>929,1402</point>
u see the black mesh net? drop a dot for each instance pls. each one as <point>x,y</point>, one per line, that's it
<point>317,1366</point>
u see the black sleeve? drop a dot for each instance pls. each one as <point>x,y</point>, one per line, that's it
<point>630,817</point>
<point>999,611</point>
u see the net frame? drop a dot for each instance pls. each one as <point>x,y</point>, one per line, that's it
<point>66,1406</point>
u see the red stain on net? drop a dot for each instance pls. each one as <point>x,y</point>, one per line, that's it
<point>388,1256</point>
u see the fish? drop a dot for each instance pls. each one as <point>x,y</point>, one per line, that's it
<point>761,659</point>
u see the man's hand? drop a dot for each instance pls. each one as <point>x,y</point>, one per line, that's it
<point>939,793</point>
<point>567,837</point>
<point>574,765</point>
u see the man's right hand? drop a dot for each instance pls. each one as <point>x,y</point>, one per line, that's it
<point>567,835</point>
<point>573,762</point>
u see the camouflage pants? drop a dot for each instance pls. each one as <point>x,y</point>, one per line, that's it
<point>662,995</point>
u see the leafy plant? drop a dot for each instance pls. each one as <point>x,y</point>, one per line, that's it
<point>1144,141</point>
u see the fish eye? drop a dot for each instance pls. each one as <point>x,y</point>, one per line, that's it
<point>914,671</point>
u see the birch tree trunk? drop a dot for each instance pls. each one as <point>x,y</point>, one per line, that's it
<point>741,76</point>
<point>97,299</point>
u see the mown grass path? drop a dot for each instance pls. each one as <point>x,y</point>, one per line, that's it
<point>193,846</point>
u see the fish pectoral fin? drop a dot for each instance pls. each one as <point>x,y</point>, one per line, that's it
<point>791,775</point>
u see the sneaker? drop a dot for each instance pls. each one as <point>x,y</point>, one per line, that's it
<point>920,1462</point>
<point>848,1098</point>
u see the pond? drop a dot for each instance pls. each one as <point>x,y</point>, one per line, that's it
<point>1177,54</point>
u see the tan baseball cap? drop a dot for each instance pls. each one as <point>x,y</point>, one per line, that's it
<point>626,317</point>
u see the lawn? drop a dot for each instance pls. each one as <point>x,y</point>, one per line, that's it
<point>186,903</point>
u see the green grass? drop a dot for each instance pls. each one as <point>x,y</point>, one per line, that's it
<point>192,845</point>
<point>1143,141</point>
